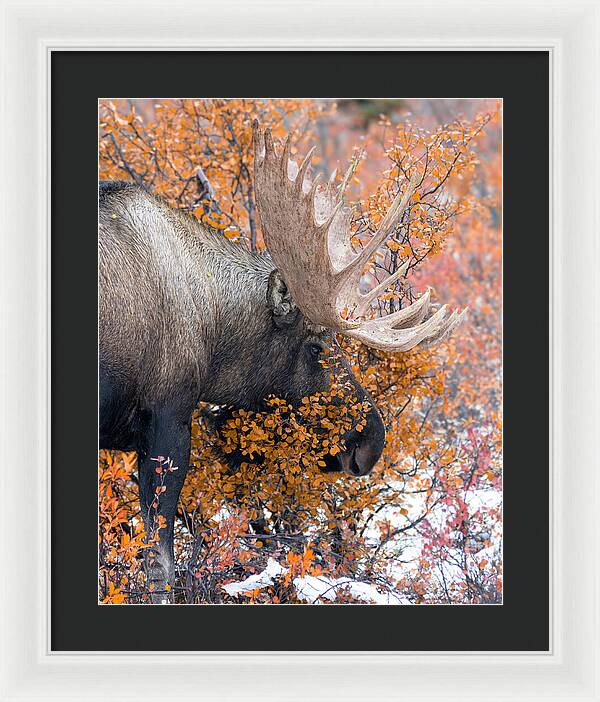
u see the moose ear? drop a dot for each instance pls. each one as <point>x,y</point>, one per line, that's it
<point>280,302</point>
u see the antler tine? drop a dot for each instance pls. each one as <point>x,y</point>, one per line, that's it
<point>389,221</point>
<point>331,181</point>
<point>380,335</point>
<point>257,139</point>
<point>269,145</point>
<point>299,182</point>
<point>365,300</point>
<point>349,173</point>
<point>307,230</point>
<point>285,157</point>
<point>405,318</point>
<point>411,315</point>
<point>327,223</point>
<point>313,190</point>
<point>449,326</point>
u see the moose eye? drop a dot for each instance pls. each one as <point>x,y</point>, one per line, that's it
<point>315,350</point>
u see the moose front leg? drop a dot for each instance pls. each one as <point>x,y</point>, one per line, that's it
<point>163,465</point>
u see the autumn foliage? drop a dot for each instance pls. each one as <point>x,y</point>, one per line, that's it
<point>259,522</point>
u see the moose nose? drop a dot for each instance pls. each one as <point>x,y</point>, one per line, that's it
<point>364,448</point>
<point>351,466</point>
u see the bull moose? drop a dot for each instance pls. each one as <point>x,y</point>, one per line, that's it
<point>186,315</point>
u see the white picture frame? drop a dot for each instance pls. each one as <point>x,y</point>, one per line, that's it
<point>570,31</point>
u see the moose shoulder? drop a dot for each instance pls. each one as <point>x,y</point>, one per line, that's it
<point>188,316</point>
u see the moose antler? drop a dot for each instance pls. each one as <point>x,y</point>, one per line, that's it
<point>307,231</point>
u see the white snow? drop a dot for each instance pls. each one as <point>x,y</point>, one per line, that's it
<point>256,581</point>
<point>311,587</point>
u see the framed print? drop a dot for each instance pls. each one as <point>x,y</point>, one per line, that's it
<point>266,508</point>
<point>372,499</point>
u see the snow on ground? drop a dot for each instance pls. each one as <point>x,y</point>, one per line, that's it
<point>256,581</point>
<point>311,588</point>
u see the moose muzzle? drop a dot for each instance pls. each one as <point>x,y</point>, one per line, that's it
<point>363,448</point>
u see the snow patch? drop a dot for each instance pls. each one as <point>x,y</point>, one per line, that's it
<point>310,588</point>
<point>256,581</point>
